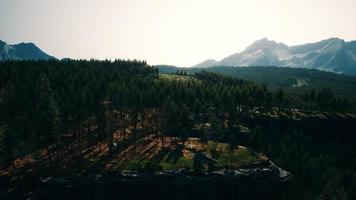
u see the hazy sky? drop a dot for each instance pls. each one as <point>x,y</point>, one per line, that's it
<point>177,32</point>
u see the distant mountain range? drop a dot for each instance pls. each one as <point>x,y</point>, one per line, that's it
<point>334,55</point>
<point>22,51</point>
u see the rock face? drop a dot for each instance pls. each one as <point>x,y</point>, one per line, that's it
<point>262,52</point>
<point>333,55</point>
<point>260,180</point>
<point>22,51</point>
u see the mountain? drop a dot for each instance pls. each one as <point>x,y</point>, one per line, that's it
<point>334,55</point>
<point>22,51</point>
<point>206,63</point>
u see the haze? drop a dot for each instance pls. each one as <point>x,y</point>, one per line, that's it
<point>176,32</point>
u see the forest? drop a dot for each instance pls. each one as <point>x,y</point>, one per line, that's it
<point>295,82</point>
<point>53,108</point>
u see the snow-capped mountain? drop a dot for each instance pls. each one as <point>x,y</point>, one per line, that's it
<point>333,55</point>
<point>22,51</point>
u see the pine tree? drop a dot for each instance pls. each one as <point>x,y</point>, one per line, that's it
<point>48,113</point>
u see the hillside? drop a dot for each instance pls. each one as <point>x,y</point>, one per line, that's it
<point>291,80</point>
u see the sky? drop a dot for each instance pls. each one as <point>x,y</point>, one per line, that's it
<point>175,32</point>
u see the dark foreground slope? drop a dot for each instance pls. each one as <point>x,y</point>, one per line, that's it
<point>258,180</point>
<point>317,148</point>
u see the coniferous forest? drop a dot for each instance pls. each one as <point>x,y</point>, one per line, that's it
<point>79,118</point>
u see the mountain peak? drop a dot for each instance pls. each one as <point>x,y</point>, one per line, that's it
<point>263,39</point>
<point>335,39</point>
<point>27,44</point>
<point>263,44</point>
<point>22,51</point>
<point>206,63</point>
<point>332,54</point>
<point>210,60</point>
